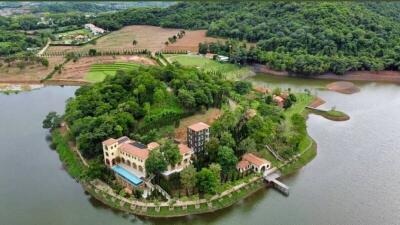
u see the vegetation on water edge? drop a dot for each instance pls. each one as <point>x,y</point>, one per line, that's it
<point>331,114</point>
<point>175,211</point>
<point>70,160</point>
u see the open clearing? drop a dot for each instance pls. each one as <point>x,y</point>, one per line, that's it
<point>231,71</point>
<point>30,74</point>
<point>78,70</point>
<point>208,117</point>
<point>190,42</point>
<point>147,37</point>
<point>98,72</point>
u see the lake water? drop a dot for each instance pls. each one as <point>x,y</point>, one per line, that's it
<point>354,179</point>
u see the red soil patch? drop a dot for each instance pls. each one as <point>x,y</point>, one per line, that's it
<point>344,87</point>
<point>31,74</point>
<point>317,102</point>
<point>190,42</point>
<point>381,76</point>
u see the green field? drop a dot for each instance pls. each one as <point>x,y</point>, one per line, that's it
<point>231,71</point>
<point>98,72</point>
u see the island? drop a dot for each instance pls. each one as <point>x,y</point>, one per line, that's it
<point>174,140</point>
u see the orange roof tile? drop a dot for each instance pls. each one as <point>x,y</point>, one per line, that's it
<point>183,149</point>
<point>278,99</point>
<point>254,159</point>
<point>142,153</point>
<point>152,145</point>
<point>242,164</point>
<point>109,141</point>
<point>199,126</point>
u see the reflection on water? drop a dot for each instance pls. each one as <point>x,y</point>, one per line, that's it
<point>353,179</point>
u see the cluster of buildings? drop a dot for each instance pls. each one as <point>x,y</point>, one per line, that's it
<point>94,29</point>
<point>127,158</point>
<point>278,99</point>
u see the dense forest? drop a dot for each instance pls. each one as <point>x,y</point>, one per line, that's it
<point>306,38</point>
<point>303,38</point>
<point>148,103</point>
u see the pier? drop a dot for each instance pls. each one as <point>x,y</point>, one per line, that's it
<point>271,176</point>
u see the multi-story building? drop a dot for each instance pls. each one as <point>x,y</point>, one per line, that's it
<point>198,135</point>
<point>127,159</point>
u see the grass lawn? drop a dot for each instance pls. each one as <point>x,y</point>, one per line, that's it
<point>231,71</point>
<point>98,72</point>
<point>307,145</point>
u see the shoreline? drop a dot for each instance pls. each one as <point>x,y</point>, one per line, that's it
<point>177,209</point>
<point>385,76</point>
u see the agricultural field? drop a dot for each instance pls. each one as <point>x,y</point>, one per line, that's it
<point>98,72</point>
<point>190,42</point>
<point>147,37</point>
<point>78,70</point>
<point>231,71</point>
<point>30,74</point>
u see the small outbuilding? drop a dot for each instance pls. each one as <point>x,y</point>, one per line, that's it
<point>253,162</point>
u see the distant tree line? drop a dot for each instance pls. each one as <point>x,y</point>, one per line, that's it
<point>304,38</point>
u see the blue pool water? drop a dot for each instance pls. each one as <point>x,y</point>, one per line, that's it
<point>127,175</point>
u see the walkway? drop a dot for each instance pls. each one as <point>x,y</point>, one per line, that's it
<point>40,53</point>
<point>271,176</point>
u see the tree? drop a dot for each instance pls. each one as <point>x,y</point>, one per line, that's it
<point>92,52</point>
<point>227,160</point>
<point>134,42</point>
<point>44,62</point>
<point>242,87</point>
<point>287,103</point>
<point>188,178</point>
<point>171,153</point>
<point>226,139</point>
<point>216,169</point>
<point>52,121</point>
<point>203,48</point>
<point>211,148</point>
<point>156,164</point>
<point>246,145</point>
<point>186,99</point>
<point>96,170</point>
<point>207,182</point>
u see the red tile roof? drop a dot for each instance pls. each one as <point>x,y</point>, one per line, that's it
<point>142,153</point>
<point>254,159</point>
<point>109,141</point>
<point>278,99</point>
<point>183,149</point>
<point>199,126</point>
<point>152,145</point>
<point>242,164</point>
